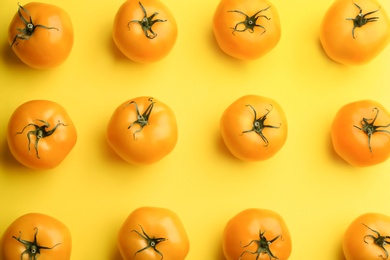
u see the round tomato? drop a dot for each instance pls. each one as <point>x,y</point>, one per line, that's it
<point>246,29</point>
<point>256,234</point>
<point>153,234</point>
<point>34,236</point>
<point>354,32</point>
<point>41,134</point>
<point>144,31</point>
<point>142,130</point>
<point>41,35</point>
<point>366,238</point>
<point>360,133</point>
<point>254,128</point>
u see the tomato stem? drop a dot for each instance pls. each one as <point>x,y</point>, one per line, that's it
<point>370,128</point>
<point>262,246</point>
<point>27,31</point>
<point>259,125</point>
<point>361,19</point>
<point>147,23</point>
<point>33,249</point>
<point>250,22</point>
<point>379,240</point>
<point>142,120</point>
<point>152,242</point>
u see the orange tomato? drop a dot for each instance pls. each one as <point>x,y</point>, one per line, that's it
<point>256,234</point>
<point>142,130</point>
<point>144,31</point>
<point>41,35</point>
<point>360,133</point>
<point>367,237</point>
<point>246,29</point>
<point>354,32</point>
<point>254,128</point>
<point>34,236</point>
<point>41,134</point>
<point>151,233</point>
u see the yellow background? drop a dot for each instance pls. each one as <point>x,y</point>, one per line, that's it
<point>93,190</point>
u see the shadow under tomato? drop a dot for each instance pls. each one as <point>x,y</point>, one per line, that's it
<point>9,161</point>
<point>10,57</point>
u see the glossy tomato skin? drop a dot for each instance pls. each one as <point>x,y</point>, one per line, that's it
<point>132,40</point>
<point>50,233</point>
<point>243,43</point>
<point>237,123</point>
<point>142,145</point>
<point>367,41</point>
<point>47,120</point>
<point>161,224</point>
<point>358,240</point>
<point>353,144</point>
<point>45,48</point>
<point>247,226</point>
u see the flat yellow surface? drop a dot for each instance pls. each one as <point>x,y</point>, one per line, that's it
<point>93,190</point>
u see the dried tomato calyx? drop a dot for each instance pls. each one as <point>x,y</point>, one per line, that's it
<point>142,119</point>
<point>262,246</point>
<point>250,22</point>
<point>380,240</point>
<point>147,23</point>
<point>259,124</point>
<point>151,242</point>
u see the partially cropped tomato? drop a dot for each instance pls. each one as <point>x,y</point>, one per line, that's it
<point>367,238</point>
<point>246,29</point>
<point>144,31</point>
<point>142,130</point>
<point>151,233</point>
<point>354,32</point>
<point>256,234</point>
<point>36,236</point>
<point>254,128</point>
<point>41,134</point>
<point>41,35</point>
<point>360,133</point>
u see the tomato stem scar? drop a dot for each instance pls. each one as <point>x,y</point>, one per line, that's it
<point>379,240</point>
<point>361,19</point>
<point>258,124</point>
<point>27,31</point>
<point>151,242</point>
<point>147,23</point>
<point>262,246</point>
<point>370,128</point>
<point>250,22</point>
<point>33,249</point>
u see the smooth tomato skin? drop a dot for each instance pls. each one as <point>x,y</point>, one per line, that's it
<point>53,149</point>
<point>353,243</point>
<point>50,232</point>
<point>246,45</point>
<point>156,139</point>
<point>133,43</point>
<point>245,227</point>
<point>239,117</point>
<point>350,143</point>
<point>370,39</point>
<point>157,223</point>
<point>45,48</point>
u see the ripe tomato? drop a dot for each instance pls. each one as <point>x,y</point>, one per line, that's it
<point>254,128</point>
<point>153,233</point>
<point>246,29</point>
<point>366,238</point>
<point>41,35</point>
<point>142,130</point>
<point>256,234</point>
<point>34,236</point>
<point>354,32</point>
<point>360,133</point>
<point>144,31</point>
<point>41,134</point>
